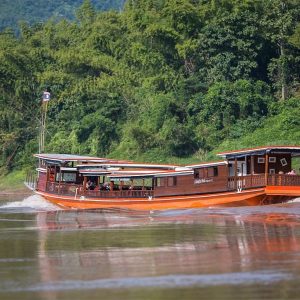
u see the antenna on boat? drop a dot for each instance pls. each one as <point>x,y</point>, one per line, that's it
<point>46,98</point>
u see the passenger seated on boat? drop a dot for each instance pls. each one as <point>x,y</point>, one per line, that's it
<point>90,185</point>
<point>292,172</point>
<point>106,186</point>
<point>102,187</point>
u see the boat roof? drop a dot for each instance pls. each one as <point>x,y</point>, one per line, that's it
<point>151,174</point>
<point>94,172</point>
<point>294,150</point>
<point>208,164</point>
<point>118,164</point>
<point>62,158</point>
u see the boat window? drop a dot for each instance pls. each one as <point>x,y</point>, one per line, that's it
<point>69,177</point>
<point>206,172</point>
<point>271,171</point>
<point>202,173</point>
<point>101,179</point>
<point>261,160</point>
<point>148,183</point>
<point>171,181</point>
<point>66,177</point>
<point>216,171</point>
<point>283,162</point>
<point>160,182</point>
<point>210,172</point>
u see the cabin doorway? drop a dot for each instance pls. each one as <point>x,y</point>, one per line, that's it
<point>241,168</point>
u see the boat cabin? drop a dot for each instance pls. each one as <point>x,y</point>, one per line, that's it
<point>262,166</point>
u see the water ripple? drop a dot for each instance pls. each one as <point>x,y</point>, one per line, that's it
<point>170,281</point>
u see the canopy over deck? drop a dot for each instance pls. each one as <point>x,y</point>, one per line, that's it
<point>118,164</point>
<point>293,150</point>
<point>63,158</point>
<point>94,172</point>
<point>150,174</point>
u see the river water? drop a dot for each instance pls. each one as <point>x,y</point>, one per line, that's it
<point>213,253</point>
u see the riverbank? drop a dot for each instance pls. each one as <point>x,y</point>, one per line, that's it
<point>13,183</point>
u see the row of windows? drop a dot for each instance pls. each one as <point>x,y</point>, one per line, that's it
<point>165,181</point>
<point>198,173</point>
<point>206,172</point>
<point>261,160</point>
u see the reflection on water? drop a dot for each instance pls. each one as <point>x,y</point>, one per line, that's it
<point>215,253</point>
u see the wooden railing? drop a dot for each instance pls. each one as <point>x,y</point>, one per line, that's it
<point>63,188</point>
<point>31,180</point>
<point>246,182</point>
<point>120,194</point>
<point>284,180</point>
<point>259,180</point>
<point>234,184</point>
<point>77,191</point>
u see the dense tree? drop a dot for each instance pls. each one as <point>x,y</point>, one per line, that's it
<point>163,77</point>
<point>295,38</point>
<point>280,19</point>
<point>11,12</point>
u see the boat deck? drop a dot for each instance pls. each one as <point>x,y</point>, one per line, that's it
<point>238,183</point>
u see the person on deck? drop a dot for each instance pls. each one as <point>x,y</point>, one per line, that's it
<point>90,185</point>
<point>106,186</point>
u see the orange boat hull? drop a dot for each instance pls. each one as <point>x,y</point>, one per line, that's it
<point>293,191</point>
<point>248,197</point>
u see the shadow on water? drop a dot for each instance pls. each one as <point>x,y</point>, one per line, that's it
<point>215,253</point>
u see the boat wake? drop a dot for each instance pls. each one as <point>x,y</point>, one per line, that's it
<point>33,203</point>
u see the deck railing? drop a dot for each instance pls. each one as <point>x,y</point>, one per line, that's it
<point>120,194</point>
<point>259,180</point>
<point>63,188</point>
<point>77,191</point>
<point>284,180</point>
<point>234,184</point>
<point>246,182</point>
<point>31,180</point>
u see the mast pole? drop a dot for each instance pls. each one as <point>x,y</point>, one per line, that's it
<point>46,98</point>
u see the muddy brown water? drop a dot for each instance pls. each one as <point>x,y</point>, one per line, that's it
<point>211,253</point>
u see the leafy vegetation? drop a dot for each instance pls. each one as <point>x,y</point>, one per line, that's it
<point>161,80</point>
<point>12,182</point>
<point>12,12</point>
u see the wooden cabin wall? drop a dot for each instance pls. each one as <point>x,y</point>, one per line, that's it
<point>185,185</point>
<point>259,168</point>
<point>42,181</point>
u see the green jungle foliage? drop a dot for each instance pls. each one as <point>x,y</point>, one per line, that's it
<point>33,11</point>
<point>174,80</point>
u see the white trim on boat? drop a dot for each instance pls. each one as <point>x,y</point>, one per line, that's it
<point>208,164</point>
<point>68,169</point>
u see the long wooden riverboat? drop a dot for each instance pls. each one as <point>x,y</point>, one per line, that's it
<point>255,176</point>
